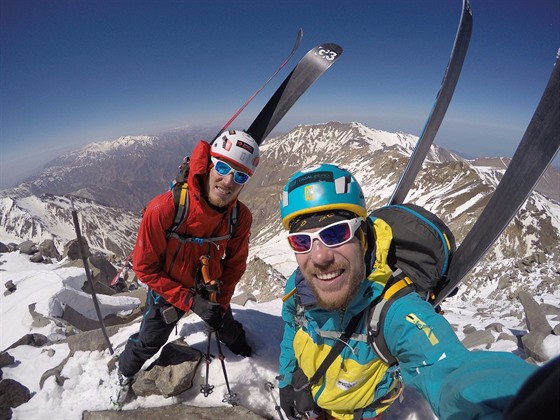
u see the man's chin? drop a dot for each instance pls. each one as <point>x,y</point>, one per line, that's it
<point>219,201</point>
<point>331,301</point>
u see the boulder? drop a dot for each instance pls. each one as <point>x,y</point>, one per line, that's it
<point>534,314</point>
<point>27,247</point>
<point>12,394</point>
<point>172,373</point>
<point>72,249</point>
<point>48,249</point>
<point>478,338</point>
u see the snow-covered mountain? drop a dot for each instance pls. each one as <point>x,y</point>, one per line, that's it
<point>134,169</point>
<point>50,217</point>
<point>525,259</point>
<point>453,188</point>
<point>124,173</point>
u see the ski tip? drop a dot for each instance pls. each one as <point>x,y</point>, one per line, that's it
<point>330,46</point>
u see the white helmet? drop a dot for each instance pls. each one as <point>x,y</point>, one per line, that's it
<point>237,147</point>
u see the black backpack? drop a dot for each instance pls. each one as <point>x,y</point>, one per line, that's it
<point>420,254</point>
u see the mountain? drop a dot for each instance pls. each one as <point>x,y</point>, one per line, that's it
<point>124,173</point>
<point>455,189</point>
<point>50,217</point>
<point>128,172</point>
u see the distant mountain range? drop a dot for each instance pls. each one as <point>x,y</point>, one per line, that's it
<point>112,181</point>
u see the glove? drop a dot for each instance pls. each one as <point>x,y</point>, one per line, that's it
<point>295,403</point>
<point>209,312</point>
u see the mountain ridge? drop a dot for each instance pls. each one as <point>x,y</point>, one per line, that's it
<point>454,188</point>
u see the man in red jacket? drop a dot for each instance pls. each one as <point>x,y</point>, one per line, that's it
<point>170,265</point>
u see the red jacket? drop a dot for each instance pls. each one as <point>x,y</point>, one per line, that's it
<point>168,266</point>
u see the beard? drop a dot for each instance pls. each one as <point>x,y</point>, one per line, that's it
<point>340,298</point>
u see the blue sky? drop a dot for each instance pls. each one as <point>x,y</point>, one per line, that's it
<point>77,71</point>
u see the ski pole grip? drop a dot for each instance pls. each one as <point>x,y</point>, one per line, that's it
<point>206,277</point>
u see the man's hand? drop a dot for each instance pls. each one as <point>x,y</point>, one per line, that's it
<point>288,402</point>
<point>297,403</point>
<point>209,312</point>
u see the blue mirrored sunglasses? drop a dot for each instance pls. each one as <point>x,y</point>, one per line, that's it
<point>223,169</point>
<point>332,235</point>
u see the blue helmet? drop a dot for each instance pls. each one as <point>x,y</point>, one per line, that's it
<point>318,188</point>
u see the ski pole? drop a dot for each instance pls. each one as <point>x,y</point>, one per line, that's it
<point>230,397</point>
<point>207,389</point>
<point>88,275</point>
<point>269,386</point>
<point>212,287</point>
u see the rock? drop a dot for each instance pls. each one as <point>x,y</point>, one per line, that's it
<point>13,394</point>
<point>35,340</point>
<point>534,315</point>
<point>10,286</point>
<point>72,249</point>
<point>550,309</point>
<point>469,329</point>
<point>503,283</point>
<point>172,373</point>
<point>27,247</point>
<point>532,343</point>
<point>540,257</point>
<point>48,249</point>
<point>56,372</point>
<point>38,320</point>
<point>177,411</point>
<point>36,258</point>
<point>506,336</point>
<point>105,270</point>
<point>3,248</point>
<point>495,326</point>
<point>478,338</point>
<point>6,359</point>
<point>242,298</point>
<point>93,340</point>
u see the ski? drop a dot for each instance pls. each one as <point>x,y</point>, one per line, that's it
<point>439,108</point>
<point>294,49</point>
<point>307,71</point>
<point>535,152</point>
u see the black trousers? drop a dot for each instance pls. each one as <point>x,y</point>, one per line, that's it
<point>154,333</point>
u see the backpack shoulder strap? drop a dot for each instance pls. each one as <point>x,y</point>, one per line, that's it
<point>233,219</point>
<point>399,285</point>
<point>181,199</point>
<point>336,349</point>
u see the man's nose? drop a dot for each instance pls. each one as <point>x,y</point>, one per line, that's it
<point>228,179</point>
<point>320,253</point>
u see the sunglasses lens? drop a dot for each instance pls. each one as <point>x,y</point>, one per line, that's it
<point>336,234</point>
<point>240,177</point>
<point>300,243</point>
<point>222,168</point>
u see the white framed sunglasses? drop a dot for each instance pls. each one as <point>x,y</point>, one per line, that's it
<point>224,169</point>
<point>332,235</point>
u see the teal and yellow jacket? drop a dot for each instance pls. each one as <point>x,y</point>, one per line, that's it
<point>457,383</point>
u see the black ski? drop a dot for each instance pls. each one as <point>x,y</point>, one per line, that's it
<point>439,109</point>
<point>537,149</point>
<point>307,71</point>
<point>234,116</point>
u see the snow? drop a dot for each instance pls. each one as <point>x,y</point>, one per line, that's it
<point>87,383</point>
